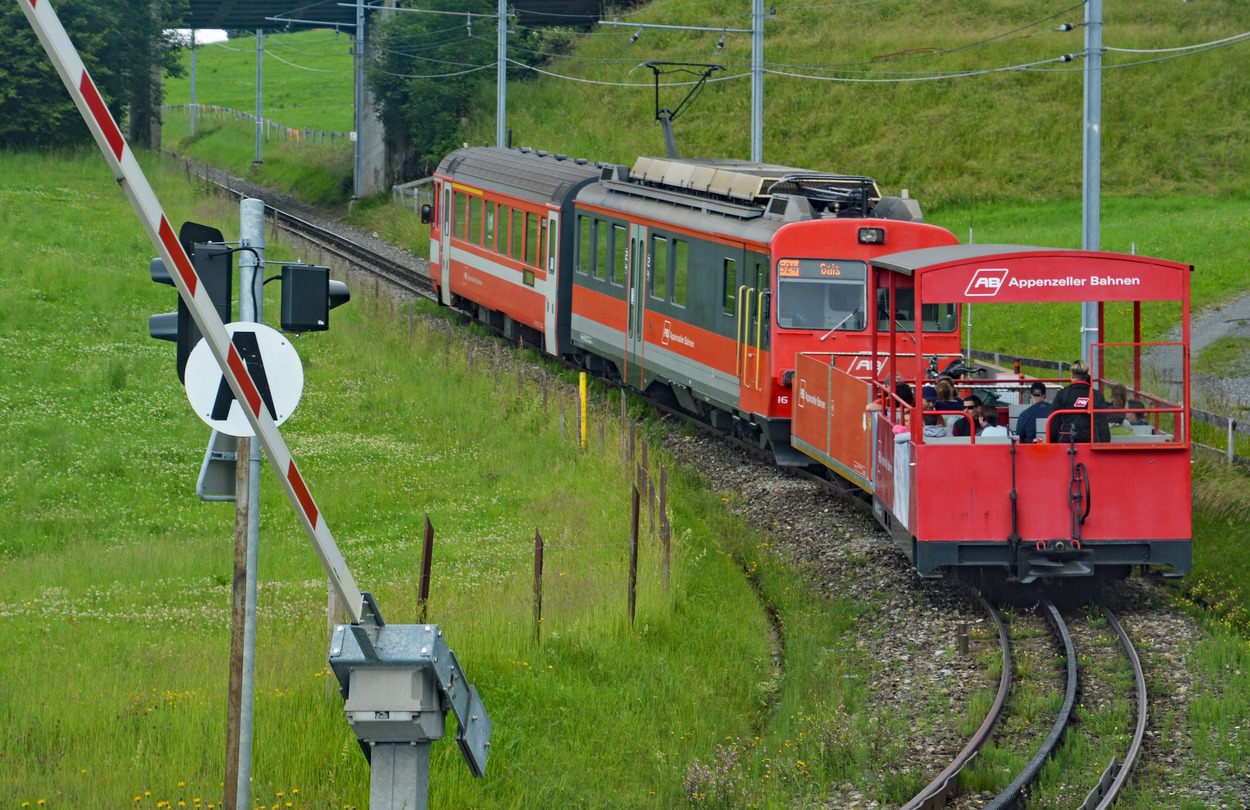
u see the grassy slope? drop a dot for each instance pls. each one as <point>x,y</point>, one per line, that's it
<point>114,592</point>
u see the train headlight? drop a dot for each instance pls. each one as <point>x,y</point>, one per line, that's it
<point>787,378</point>
<point>872,236</point>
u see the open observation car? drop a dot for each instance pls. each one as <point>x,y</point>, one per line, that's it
<point>995,507</point>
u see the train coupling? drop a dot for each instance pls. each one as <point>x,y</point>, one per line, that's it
<point>1057,557</point>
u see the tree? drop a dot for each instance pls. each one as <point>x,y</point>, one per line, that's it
<point>121,43</point>
<point>426,71</point>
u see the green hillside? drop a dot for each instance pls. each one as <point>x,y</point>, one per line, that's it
<point>919,95</point>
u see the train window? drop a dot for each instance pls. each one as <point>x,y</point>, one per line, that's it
<point>584,247</point>
<point>729,286</point>
<point>531,239</point>
<point>601,249</point>
<point>680,270</point>
<point>620,245</point>
<point>475,220</point>
<point>822,294</point>
<point>659,268</point>
<point>934,317</point>
<point>517,229</point>
<point>461,211</point>
<point>501,230</point>
<point>542,243</point>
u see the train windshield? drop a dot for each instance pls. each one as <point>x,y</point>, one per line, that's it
<point>934,317</point>
<point>822,294</point>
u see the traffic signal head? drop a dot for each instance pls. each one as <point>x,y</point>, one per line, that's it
<point>308,295</point>
<point>214,264</point>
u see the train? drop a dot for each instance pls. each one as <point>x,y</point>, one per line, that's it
<point>810,314</point>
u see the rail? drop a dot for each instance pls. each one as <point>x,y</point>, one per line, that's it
<point>1116,774</point>
<point>943,787</point>
<point>1014,792</point>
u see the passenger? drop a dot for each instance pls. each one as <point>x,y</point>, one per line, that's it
<point>988,416</point>
<point>1119,401</point>
<point>965,426</point>
<point>903,391</point>
<point>1076,396</point>
<point>946,399</point>
<point>934,427</point>
<point>928,395</point>
<point>1026,422</point>
<point>1137,417</point>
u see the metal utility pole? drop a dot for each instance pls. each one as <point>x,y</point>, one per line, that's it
<point>260,54</point>
<point>358,115</point>
<point>193,110</point>
<point>757,81</point>
<point>1090,203</point>
<point>501,78</point>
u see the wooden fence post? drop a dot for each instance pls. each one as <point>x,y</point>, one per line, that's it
<point>427,557</point>
<point>633,555</point>
<point>666,531</point>
<point>538,585</point>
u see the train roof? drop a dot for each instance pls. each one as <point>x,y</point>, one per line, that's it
<point>526,173</point>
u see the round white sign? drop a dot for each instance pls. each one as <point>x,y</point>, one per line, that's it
<point>273,364</point>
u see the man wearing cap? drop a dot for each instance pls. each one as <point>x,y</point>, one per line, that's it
<point>1026,422</point>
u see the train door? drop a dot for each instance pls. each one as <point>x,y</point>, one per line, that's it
<point>635,277</point>
<point>752,325</point>
<point>549,255</point>
<point>444,247</point>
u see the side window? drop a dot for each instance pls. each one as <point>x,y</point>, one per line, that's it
<point>729,286</point>
<point>601,249</point>
<point>620,246</point>
<point>461,210</point>
<point>543,251</point>
<point>659,268</point>
<point>680,271</point>
<point>585,249</point>
<point>475,220</point>
<point>489,240</point>
<point>518,234</point>
<point>531,239</point>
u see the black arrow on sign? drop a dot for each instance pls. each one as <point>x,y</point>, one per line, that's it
<point>249,350</point>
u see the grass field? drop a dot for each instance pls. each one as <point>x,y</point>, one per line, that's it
<point>114,579</point>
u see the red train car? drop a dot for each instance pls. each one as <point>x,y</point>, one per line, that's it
<point>697,282</point>
<point>1049,509</point>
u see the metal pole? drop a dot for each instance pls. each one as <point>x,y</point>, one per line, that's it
<point>757,81</point>
<point>501,77</point>
<point>260,53</point>
<point>358,115</point>
<point>1092,162</point>
<point>251,309</point>
<point>238,621</point>
<point>193,110</point>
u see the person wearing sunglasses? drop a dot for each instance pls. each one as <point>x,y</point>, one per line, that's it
<point>967,424</point>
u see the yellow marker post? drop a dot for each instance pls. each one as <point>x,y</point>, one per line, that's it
<point>581,384</point>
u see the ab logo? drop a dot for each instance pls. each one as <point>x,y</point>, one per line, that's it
<point>986,282</point>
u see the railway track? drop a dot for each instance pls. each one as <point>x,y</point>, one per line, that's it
<point>355,255</point>
<point>944,789</point>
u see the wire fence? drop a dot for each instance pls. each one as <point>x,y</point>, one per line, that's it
<point>1223,434</point>
<point>272,129</point>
